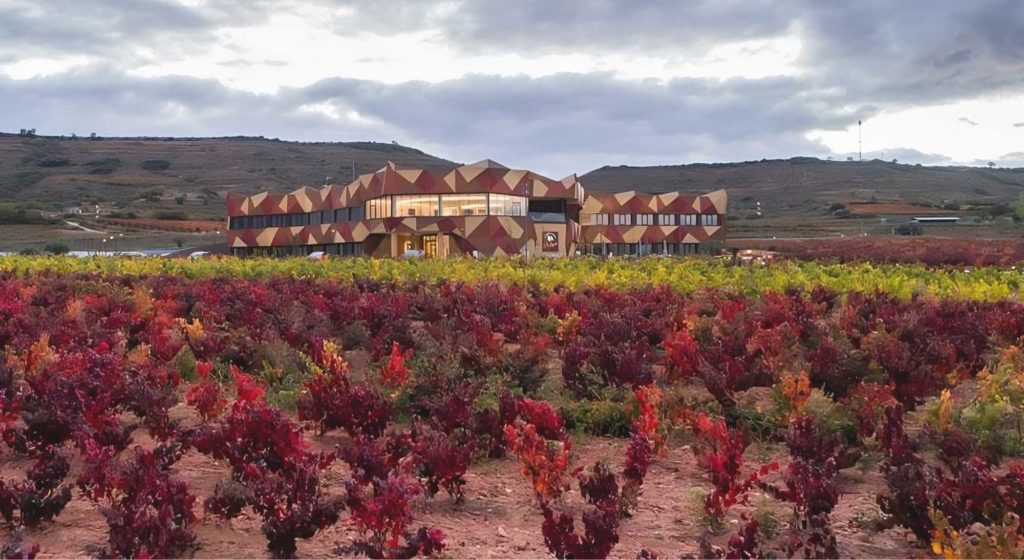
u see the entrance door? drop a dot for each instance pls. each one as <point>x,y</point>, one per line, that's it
<point>430,246</point>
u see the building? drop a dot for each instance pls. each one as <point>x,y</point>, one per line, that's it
<point>482,209</point>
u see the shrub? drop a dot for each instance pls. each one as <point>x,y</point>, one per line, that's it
<point>149,513</point>
<point>170,215</point>
<point>719,450</point>
<point>910,228</point>
<point>599,418</point>
<point>382,513</point>
<point>156,165</point>
<point>56,247</point>
<point>41,496</point>
<point>205,395</point>
<point>330,400</point>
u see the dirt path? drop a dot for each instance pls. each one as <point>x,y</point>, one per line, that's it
<point>83,228</point>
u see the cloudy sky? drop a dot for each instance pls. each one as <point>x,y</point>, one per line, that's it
<point>559,86</point>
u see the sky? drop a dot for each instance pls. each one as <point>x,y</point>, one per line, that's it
<point>557,86</point>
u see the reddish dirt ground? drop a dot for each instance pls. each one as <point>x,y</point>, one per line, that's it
<point>166,225</point>
<point>499,518</point>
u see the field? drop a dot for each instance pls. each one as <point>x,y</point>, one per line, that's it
<point>166,225</point>
<point>574,408</point>
<point>887,249</point>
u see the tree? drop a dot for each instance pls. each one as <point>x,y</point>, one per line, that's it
<point>991,164</point>
<point>1018,214</point>
<point>909,228</point>
<point>56,247</point>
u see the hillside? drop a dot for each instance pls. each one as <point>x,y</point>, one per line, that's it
<point>146,178</point>
<point>144,175</point>
<point>801,186</point>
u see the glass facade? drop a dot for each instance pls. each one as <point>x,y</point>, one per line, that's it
<point>405,206</point>
<point>338,249</point>
<point>410,205</point>
<point>507,205</point>
<point>637,249</point>
<point>464,205</point>
<point>378,208</point>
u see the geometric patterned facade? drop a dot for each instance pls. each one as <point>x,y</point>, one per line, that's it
<point>503,212</point>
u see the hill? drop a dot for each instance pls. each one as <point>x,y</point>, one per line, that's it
<point>801,186</point>
<point>145,175</point>
<point>147,178</point>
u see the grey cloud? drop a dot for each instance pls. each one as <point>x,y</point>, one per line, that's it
<point>858,59</point>
<point>1020,124</point>
<point>118,31</point>
<point>966,120</point>
<point>559,124</point>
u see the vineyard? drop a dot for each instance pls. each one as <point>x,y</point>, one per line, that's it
<point>573,408</point>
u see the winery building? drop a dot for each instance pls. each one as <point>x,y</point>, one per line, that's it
<point>482,209</point>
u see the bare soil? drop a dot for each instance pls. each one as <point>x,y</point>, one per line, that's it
<point>499,518</point>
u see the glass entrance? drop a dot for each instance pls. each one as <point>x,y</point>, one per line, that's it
<point>429,245</point>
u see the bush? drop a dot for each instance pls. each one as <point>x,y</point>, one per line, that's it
<point>104,166</point>
<point>170,215</point>
<point>56,248</point>
<point>20,214</point>
<point>599,418</point>
<point>54,162</point>
<point>909,229</point>
<point>156,165</point>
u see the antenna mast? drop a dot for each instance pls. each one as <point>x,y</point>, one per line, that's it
<point>860,153</point>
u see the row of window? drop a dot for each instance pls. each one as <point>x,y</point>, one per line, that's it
<point>637,249</point>
<point>654,219</point>
<point>408,205</point>
<point>337,215</point>
<point>462,205</point>
<point>338,249</point>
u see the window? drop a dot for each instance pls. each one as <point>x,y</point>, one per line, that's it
<point>599,219</point>
<point>464,205</point>
<point>709,219</point>
<point>378,207</point>
<point>416,205</point>
<point>542,210</point>
<point>645,219</point>
<point>507,205</point>
<point>688,219</point>
<point>666,219</point>
<point>623,219</point>
<point>355,214</point>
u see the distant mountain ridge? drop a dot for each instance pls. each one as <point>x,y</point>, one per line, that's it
<point>147,174</point>
<point>805,184</point>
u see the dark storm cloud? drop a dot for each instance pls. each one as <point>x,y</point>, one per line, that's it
<point>606,25</point>
<point>871,52</point>
<point>116,30</point>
